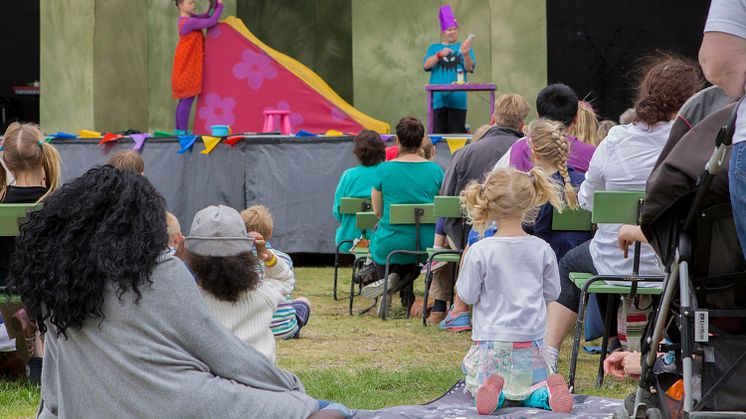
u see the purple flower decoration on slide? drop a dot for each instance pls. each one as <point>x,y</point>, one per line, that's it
<point>217,111</point>
<point>254,67</point>
<point>296,119</point>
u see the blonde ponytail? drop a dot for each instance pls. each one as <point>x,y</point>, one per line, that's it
<point>546,189</point>
<point>476,206</point>
<point>52,172</point>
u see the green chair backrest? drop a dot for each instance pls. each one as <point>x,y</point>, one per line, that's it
<point>11,214</point>
<point>354,205</point>
<point>616,207</point>
<point>448,207</point>
<point>365,220</point>
<point>404,213</point>
<point>571,220</point>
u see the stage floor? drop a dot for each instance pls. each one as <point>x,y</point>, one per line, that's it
<point>295,177</point>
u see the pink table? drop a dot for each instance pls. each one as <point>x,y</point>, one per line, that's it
<point>430,88</point>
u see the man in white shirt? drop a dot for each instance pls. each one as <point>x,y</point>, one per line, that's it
<point>723,60</point>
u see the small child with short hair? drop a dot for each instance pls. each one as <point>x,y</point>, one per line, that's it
<point>174,233</point>
<point>128,160</point>
<point>292,315</point>
<point>510,278</point>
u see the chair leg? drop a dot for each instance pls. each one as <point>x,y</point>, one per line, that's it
<point>605,341</point>
<point>384,296</point>
<point>428,282</point>
<point>576,341</point>
<point>336,268</point>
<point>352,286</point>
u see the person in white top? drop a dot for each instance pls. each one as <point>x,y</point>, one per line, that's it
<point>241,292</point>
<point>623,161</point>
<point>723,59</point>
<point>509,279</point>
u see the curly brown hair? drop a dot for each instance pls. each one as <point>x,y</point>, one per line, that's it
<point>668,82</point>
<point>369,148</point>
<point>226,278</point>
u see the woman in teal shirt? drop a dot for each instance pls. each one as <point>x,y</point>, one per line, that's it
<point>357,182</point>
<point>407,179</point>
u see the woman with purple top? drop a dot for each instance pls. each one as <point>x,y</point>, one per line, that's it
<point>556,102</point>
<point>186,78</point>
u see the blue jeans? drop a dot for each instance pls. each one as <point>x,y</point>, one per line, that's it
<point>737,184</point>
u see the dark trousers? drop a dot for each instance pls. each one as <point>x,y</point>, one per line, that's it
<point>449,121</point>
<point>579,260</point>
<point>407,273</point>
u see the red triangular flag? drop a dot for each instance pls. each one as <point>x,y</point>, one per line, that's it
<point>109,137</point>
<point>233,139</point>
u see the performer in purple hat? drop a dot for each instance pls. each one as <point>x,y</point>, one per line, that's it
<point>445,60</point>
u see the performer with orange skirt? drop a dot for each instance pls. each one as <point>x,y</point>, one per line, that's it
<point>186,78</point>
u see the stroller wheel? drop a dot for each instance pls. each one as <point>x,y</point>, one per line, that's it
<point>653,413</point>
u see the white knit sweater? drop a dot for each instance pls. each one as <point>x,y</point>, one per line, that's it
<point>250,317</point>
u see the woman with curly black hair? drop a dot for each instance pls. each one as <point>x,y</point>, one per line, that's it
<point>128,334</point>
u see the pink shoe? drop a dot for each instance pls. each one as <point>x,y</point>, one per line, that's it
<point>560,398</point>
<point>488,394</point>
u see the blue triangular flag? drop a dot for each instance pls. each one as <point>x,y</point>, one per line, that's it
<point>63,135</point>
<point>435,139</point>
<point>386,137</point>
<point>304,133</point>
<point>186,142</point>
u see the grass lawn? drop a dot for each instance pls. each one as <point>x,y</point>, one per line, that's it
<point>361,361</point>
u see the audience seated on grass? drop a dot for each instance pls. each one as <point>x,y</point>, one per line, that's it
<point>291,315</point>
<point>549,151</point>
<point>33,173</point>
<point>357,182</point>
<point>135,339</point>
<point>241,291</point>
<point>556,102</point>
<point>468,164</point>
<point>623,161</point>
<point>406,179</point>
<point>509,278</point>
<point>128,160</point>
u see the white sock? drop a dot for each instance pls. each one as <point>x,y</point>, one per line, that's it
<point>551,354</point>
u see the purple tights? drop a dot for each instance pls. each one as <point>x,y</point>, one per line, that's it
<point>183,109</point>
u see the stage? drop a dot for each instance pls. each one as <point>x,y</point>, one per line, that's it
<point>295,177</point>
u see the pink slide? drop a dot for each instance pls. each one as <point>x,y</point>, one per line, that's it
<point>243,77</point>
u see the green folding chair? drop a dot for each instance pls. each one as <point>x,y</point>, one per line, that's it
<point>349,206</point>
<point>417,214</point>
<point>11,215</point>
<point>610,207</point>
<point>366,220</point>
<point>444,207</point>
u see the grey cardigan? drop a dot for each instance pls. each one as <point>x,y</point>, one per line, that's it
<point>164,357</point>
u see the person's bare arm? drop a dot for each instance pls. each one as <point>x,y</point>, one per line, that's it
<point>723,60</point>
<point>376,201</point>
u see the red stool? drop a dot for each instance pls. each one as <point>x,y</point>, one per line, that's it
<point>269,121</point>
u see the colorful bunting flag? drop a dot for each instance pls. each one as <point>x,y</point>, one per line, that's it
<point>139,140</point>
<point>233,139</point>
<point>186,142</point>
<point>333,133</point>
<point>210,143</point>
<point>455,143</point>
<point>85,133</point>
<point>386,137</point>
<point>159,133</point>
<point>109,137</point>
<point>61,135</point>
<point>304,133</point>
<point>435,139</point>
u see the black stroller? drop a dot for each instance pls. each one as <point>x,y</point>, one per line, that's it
<point>702,312</point>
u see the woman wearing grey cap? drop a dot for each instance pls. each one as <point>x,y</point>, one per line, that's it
<point>241,293</point>
<point>128,334</point>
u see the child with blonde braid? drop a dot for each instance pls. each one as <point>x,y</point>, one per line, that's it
<point>550,150</point>
<point>509,278</point>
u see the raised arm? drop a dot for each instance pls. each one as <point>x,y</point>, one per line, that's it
<point>195,23</point>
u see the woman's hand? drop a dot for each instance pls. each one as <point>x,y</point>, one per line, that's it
<point>629,234</point>
<point>623,364</point>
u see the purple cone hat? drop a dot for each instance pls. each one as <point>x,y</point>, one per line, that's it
<point>447,20</point>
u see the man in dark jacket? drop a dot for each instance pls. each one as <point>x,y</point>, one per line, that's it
<point>472,163</point>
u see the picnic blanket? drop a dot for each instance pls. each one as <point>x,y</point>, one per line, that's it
<point>457,404</point>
